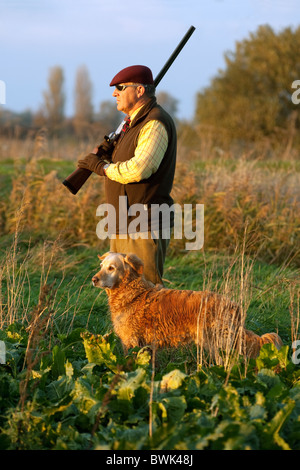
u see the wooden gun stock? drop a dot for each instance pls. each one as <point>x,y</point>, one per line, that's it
<point>77,179</point>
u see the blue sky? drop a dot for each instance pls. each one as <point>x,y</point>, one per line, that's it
<point>108,35</point>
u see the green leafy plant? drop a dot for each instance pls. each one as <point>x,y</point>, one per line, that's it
<point>104,402</point>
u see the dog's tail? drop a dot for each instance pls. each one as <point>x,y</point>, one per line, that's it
<point>253,342</point>
<point>272,338</point>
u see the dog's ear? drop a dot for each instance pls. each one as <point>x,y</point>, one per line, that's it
<point>103,256</point>
<point>135,262</point>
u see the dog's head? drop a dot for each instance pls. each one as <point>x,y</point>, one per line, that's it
<point>115,267</point>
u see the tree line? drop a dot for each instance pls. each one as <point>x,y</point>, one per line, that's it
<point>252,97</point>
<point>51,114</point>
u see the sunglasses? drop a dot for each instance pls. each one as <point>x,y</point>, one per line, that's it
<point>123,87</point>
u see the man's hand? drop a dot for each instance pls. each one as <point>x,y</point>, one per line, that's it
<point>104,150</point>
<point>93,163</point>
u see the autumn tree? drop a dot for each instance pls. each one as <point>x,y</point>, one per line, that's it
<point>168,102</point>
<point>83,100</point>
<point>54,98</point>
<point>109,117</point>
<point>251,97</point>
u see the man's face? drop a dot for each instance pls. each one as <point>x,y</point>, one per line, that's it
<point>129,99</point>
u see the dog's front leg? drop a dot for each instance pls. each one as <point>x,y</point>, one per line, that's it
<point>130,343</point>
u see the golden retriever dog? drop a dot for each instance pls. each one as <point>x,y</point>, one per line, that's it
<point>143,314</point>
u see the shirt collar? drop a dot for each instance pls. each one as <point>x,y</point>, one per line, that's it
<point>132,116</point>
<point>145,106</point>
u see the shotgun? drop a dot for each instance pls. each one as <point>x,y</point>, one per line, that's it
<point>77,179</point>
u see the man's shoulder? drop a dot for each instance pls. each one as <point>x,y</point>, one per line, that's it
<point>158,113</point>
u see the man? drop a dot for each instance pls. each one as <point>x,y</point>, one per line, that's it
<point>141,169</point>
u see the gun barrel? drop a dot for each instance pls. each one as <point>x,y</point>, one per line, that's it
<point>174,55</point>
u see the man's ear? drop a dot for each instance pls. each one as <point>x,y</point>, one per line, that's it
<point>135,262</point>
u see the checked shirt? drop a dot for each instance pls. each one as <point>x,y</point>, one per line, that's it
<point>151,147</point>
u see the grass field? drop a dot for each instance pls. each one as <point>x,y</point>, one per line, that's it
<point>65,387</point>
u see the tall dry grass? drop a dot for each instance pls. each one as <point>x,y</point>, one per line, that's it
<point>251,200</point>
<point>50,211</point>
<point>235,283</point>
<point>249,187</point>
<point>26,282</point>
<point>239,192</point>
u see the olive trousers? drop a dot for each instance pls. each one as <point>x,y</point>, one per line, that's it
<point>151,250</point>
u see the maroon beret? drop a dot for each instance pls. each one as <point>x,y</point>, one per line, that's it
<point>135,74</point>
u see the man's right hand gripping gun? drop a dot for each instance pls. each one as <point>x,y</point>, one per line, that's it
<point>104,151</point>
